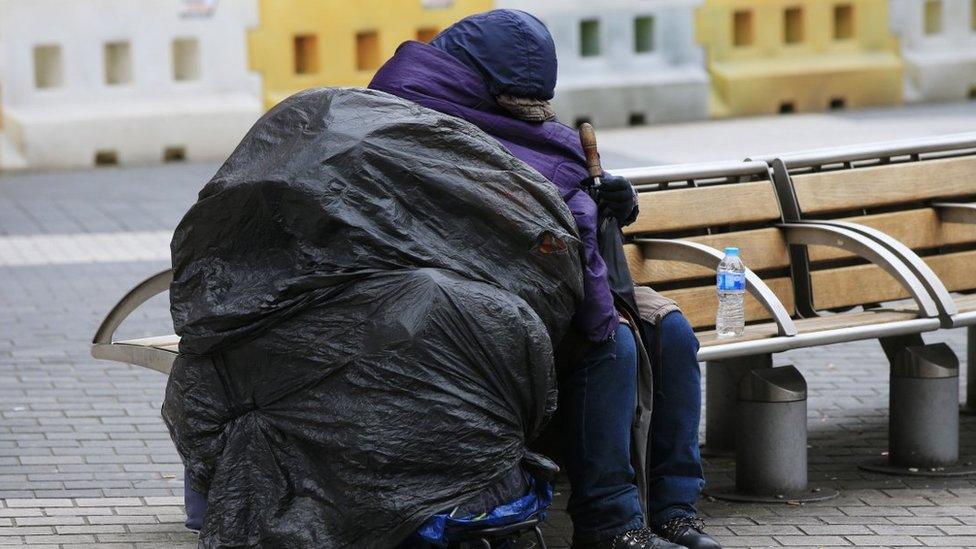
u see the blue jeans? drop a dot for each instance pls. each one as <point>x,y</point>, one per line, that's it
<point>598,398</point>
<point>674,463</point>
<point>196,506</point>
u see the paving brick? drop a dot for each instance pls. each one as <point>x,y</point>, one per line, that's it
<point>48,521</point>
<point>942,511</point>
<point>821,541</point>
<point>123,519</point>
<point>25,531</point>
<point>134,537</point>
<point>88,545</point>
<point>765,530</point>
<point>172,527</point>
<point>884,541</point>
<point>876,511</point>
<point>943,541</point>
<point>21,512</point>
<point>835,529</point>
<point>747,541</point>
<point>109,502</point>
<point>924,520</point>
<point>77,511</point>
<point>91,529</point>
<point>171,500</point>
<point>968,530</point>
<point>59,539</point>
<point>40,502</point>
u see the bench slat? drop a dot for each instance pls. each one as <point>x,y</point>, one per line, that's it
<point>169,342</point>
<point>957,270</point>
<point>918,229</point>
<point>966,303</point>
<point>885,185</point>
<point>761,249</point>
<point>856,285</point>
<point>693,208</point>
<point>700,304</point>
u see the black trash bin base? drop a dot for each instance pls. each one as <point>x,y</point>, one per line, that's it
<point>964,467</point>
<point>810,495</point>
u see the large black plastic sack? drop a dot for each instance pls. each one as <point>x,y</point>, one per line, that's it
<point>368,293</point>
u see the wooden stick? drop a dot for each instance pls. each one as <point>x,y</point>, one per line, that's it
<point>588,140</point>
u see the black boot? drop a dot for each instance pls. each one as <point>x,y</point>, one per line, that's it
<point>641,538</point>
<point>689,532</point>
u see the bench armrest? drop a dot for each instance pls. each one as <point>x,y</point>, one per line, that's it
<point>819,234</point>
<point>937,290</point>
<point>154,285</point>
<point>952,212</point>
<point>706,256</point>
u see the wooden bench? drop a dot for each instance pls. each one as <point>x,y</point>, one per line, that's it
<point>916,197</point>
<point>689,213</point>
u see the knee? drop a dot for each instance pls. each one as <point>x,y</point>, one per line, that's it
<point>677,333</point>
<point>626,352</point>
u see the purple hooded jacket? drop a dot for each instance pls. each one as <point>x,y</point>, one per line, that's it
<point>437,80</point>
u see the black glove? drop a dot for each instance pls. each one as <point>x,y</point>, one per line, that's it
<point>617,197</point>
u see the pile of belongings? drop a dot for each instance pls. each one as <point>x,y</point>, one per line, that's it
<point>368,294</point>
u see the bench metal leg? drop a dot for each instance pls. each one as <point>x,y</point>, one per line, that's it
<point>721,381</point>
<point>538,537</point>
<point>771,440</point>
<point>894,345</point>
<point>923,414</point>
<point>923,407</point>
<point>970,406</point>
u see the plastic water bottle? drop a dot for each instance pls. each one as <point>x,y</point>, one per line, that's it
<point>731,285</point>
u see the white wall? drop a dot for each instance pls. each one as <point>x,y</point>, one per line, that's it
<point>664,85</point>
<point>942,66</point>
<point>63,126</point>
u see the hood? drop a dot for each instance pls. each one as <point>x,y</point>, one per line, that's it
<point>429,76</point>
<point>511,50</point>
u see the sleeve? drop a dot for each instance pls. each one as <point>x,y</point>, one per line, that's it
<point>596,317</point>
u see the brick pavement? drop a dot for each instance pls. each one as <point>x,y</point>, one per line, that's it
<point>85,460</point>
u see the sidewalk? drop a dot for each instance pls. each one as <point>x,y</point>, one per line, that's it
<point>85,460</point>
<point>739,138</point>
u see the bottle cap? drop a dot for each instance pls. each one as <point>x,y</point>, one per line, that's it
<point>731,250</point>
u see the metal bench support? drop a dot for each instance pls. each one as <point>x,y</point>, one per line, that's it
<point>104,346</point>
<point>923,422</point>
<point>771,440</point>
<point>970,407</point>
<point>721,393</point>
<point>484,537</point>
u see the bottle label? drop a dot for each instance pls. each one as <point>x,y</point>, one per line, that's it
<point>730,282</point>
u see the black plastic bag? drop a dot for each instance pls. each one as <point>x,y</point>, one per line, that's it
<point>368,293</point>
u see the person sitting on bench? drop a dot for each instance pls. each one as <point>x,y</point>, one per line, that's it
<point>497,70</point>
